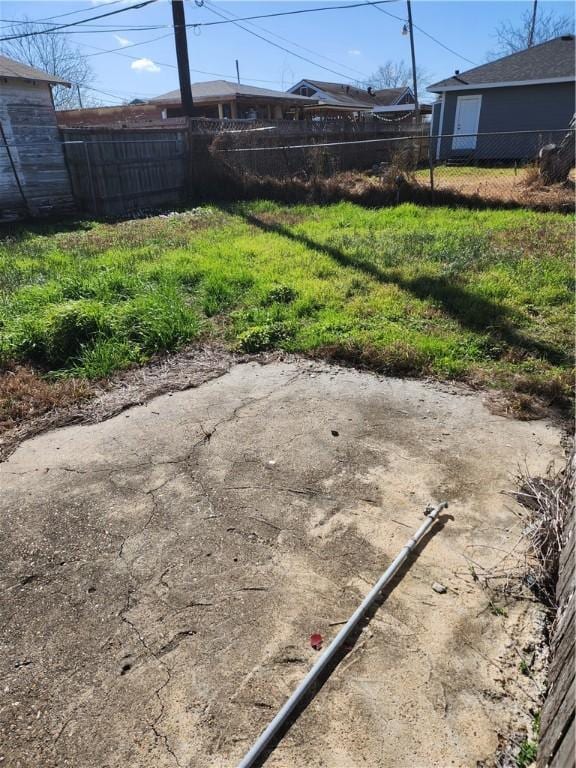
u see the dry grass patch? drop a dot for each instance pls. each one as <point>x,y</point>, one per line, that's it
<point>25,394</point>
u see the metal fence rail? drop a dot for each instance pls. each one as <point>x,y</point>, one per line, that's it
<point>491,163</point>
<point>120,171</point>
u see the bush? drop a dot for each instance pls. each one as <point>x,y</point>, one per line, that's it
<point>395,359</point>
<point>105,357</point>
<point>262,337</point>
<point>281,294</point>
<point>58,335</point>
<point>159,321</point>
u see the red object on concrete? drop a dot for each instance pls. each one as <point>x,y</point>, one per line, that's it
<point>316,641</point>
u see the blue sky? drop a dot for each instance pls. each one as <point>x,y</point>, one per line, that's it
<point>351,42</point>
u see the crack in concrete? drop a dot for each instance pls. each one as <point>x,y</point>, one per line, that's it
<point>281,488</point>
<point>158,735</point>
<point>172,644</point>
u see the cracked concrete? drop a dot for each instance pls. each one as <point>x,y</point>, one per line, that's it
<point>163,571</point>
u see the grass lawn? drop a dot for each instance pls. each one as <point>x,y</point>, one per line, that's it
<point>484,296</point>
<point>477,171</point>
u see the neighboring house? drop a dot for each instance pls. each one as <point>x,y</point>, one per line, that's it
<point>222,99</point>
<point>342,100</point>
<point>33,173</point>
<point>531,90</point>
<point>213,99</point>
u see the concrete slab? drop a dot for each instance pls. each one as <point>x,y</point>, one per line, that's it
<point>163,571</point>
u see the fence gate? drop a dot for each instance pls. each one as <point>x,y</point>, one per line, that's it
<point>117,171</point>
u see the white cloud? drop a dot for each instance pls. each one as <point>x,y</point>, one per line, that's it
<point>123,40</point>
<point>354,52</point>
<point>144,65</point>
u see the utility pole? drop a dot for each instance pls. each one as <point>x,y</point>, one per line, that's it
<point>414,83</point>
<point>532,25</point>
<point>182,56</point>
<point>79,95</point>
<point>237,71</point>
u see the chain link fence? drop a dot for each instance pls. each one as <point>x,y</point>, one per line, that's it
<point>495,165</point>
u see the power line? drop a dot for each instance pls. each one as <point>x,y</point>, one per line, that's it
<point>423,31</point>
<point>438,42</point>
<point>291,42</point>
<point>102,51</point>
<point>71,13</point>
<point>80,22</point>
<point>87,29</point>
<point>118,52</point>
<point>281,47</point>
<point>299,11</point>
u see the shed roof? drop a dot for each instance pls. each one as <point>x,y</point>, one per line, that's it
<point>15,70</point>
<point>215,89</point>
<point>552,60</point>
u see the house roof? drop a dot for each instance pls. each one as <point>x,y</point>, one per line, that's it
<point>213,90</point>
<point>348,96</point>
<point>386,97</point>
<point>550,61</point>
<point>9,68</point>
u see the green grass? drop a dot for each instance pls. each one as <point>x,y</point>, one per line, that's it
<point>452,293</point>
<point>474,171</point>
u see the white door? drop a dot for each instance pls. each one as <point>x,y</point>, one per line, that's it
<point>466,122</point>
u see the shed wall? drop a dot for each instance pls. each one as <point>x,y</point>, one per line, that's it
<point>542,109</point>
<point>33,141</point>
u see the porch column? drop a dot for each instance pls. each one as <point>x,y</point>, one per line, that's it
<point>220,111</point>
<point>269,111</point>
<point>234,110</point>
<point>278,112</point>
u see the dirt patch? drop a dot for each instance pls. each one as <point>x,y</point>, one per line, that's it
<point>506,188</point>
<point>167,567</point>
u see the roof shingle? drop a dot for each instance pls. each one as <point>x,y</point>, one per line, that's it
<point>551,60</point>
<point>343,95</point>
<point>214,89</point>
<point>9,68</point>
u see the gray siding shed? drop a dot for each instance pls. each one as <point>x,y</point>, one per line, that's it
<point>545,109</point>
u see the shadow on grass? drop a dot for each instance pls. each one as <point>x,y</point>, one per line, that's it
<point>471,311</point>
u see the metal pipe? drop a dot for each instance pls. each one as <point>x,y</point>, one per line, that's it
<point>267,736</point>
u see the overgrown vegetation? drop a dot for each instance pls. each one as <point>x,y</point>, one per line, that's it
<point>550,501</point>
<point>483,296</point>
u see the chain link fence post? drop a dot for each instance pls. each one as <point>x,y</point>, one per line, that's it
<point>431,164</point>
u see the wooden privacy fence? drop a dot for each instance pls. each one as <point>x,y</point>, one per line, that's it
<point>557,732</point>
<point>322,127</point>
<point>118,171</point>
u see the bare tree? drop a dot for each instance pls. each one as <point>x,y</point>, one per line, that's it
<point>53,53</point>
<point>512,37</point>
<point>397,74</point>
